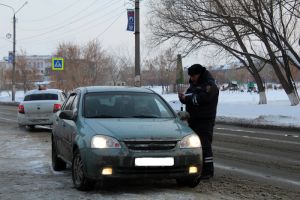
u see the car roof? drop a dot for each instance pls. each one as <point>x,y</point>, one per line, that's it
<point>92,89</point>
<point>51,91</point>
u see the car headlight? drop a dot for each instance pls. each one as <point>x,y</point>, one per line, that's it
<point>105,142</point>
<point>190,141</point>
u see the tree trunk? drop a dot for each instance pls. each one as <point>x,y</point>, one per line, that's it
<point>260,86</point>
<point>286,84</point>
<point>293,97</point>
<point>262,97</point>
<point>251,68</point>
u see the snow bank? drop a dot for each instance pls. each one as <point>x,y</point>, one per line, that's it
<point>5,96</point>
<point>242,108</point>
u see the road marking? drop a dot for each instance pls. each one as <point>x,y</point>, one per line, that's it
<point>12,120</point>
<point>289,135</point>
<point>261,155</point>
<point>263,132</point>
<point>257,174</point>
<point>258,138</point>
<point>236,130</point>
<point>8,113</point>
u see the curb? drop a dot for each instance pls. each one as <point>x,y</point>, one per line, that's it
<point>9,103</point>
<point>255,123</point>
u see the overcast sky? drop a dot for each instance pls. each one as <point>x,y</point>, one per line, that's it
<point>42,24</point>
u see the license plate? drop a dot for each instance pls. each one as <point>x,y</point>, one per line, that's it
<point>154,162</point>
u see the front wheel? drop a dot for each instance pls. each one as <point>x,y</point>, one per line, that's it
<point>190,182</point>
<point>81,182</point>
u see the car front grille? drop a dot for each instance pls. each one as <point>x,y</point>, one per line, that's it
<point>151,170</point>
<point>150,145</point>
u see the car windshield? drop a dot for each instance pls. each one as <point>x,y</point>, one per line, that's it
<point>129,105</point>
<point>41,97</point>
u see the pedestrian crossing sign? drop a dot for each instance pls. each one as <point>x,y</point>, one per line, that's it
<point>58,64</point>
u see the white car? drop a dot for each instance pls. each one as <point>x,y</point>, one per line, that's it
<point>39,107</point>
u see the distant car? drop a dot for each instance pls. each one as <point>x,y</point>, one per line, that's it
<point>116,132</point>
<point>39,107</point>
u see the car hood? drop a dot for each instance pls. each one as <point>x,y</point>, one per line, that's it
<point>140,129</point>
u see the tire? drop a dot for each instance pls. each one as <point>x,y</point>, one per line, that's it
<point>57,163</point>
<point>190,182</point>
<point>80,181</point>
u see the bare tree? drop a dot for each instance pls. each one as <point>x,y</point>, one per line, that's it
<point>96,61</point>
<point>150,73</point>
<point>71,77</point>
<point>26,75</point>
<point>166,65</point>
<point>236,27</point>
<point>271,22</point>
<point>197,24</point>
<point>84,65</point>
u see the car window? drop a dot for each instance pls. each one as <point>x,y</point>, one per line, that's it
<point>75,102</point>
<point>69,103</point>
<point>125,105</point>
<point>62,96</point>
<point>162,109</point>
<point>41,97</point>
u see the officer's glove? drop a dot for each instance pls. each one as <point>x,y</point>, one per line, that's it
<point>184,116</point>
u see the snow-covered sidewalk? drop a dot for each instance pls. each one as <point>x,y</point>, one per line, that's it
<point>243,108</point>
<point>236,107</point>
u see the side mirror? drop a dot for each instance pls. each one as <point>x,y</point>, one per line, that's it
<point>184,116</point>
<point>67,114</point>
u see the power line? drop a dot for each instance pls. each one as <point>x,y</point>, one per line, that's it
<point>55,29</point>
<point>103,21</point>
<point>109,26</point>
<point>79,29</point>
<point>54,14</point>
<point>76,16</point>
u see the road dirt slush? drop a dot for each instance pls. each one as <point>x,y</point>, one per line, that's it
<point>269,172</point>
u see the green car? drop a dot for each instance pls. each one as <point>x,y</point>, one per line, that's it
<point>119,132</point>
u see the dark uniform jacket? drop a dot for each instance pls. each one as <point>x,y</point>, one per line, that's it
<point>201,102</point>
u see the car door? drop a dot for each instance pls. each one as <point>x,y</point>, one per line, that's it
<point>61,128</point>
<point>70,129</point>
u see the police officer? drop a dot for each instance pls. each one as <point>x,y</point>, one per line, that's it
<point>201,101</point>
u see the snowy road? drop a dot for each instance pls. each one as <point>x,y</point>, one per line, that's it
<point>250,164</point>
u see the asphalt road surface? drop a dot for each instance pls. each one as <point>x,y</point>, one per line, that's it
<point>249,164</point>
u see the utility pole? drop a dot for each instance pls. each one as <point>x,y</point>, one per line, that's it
<point>13,89</point>
<point>14,61</point>
<point>137,78</point>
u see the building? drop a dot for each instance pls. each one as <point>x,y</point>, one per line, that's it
<point>40,62</point>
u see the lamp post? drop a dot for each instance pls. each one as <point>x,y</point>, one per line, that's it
<point>13,90</point>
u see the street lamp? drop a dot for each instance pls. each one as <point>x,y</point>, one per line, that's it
<point>13,90</point>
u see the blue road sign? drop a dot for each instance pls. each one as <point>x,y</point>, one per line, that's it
<point>58,64</point>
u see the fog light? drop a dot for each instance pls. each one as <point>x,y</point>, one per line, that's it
<point>107,171</point>
<point>193,170</point>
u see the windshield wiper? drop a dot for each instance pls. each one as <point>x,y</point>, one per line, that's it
<point>104,116</point>
<point>145,116</point>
